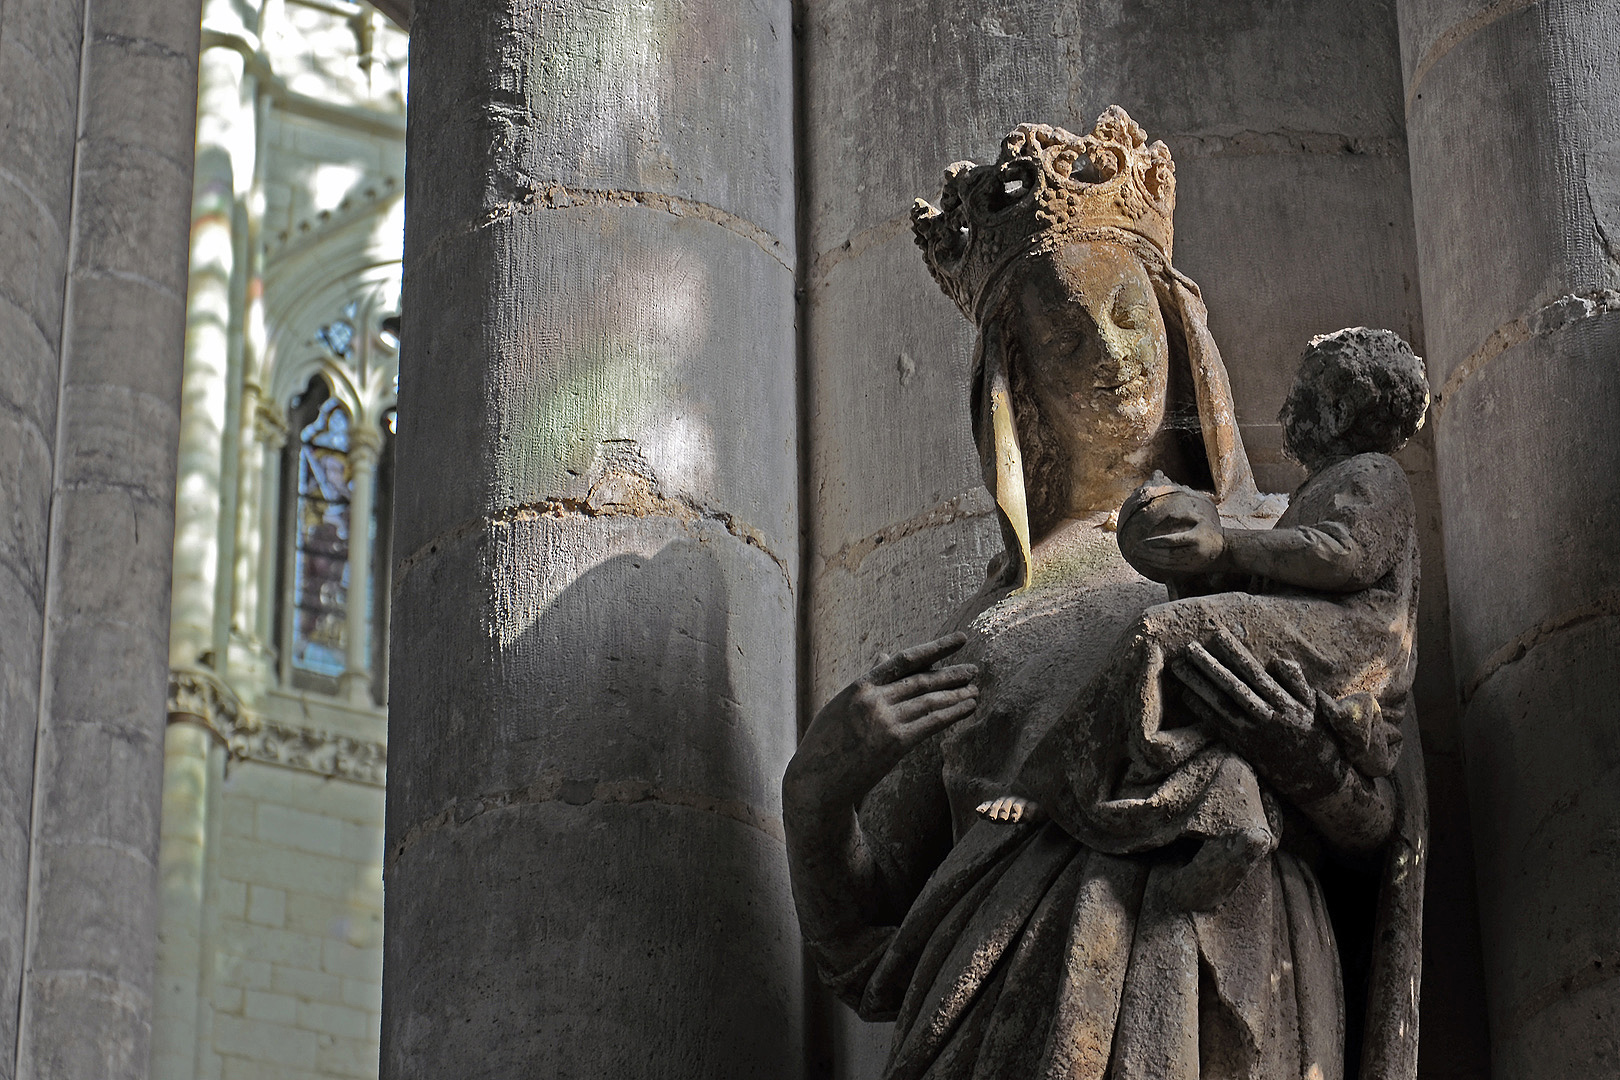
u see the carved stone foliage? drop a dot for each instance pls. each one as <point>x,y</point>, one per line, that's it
<point>248,737</point>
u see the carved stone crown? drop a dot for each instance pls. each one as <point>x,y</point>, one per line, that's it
<point>1047,185</point>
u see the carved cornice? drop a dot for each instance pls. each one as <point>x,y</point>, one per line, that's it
<point>319,752</point>
<point>201,697</point>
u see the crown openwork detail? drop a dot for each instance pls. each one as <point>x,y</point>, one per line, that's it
<point>1047,185</point>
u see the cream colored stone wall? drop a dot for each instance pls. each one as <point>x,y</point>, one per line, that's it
<point>298,940</point>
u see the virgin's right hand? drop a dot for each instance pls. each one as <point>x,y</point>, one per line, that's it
<point>865,730</point>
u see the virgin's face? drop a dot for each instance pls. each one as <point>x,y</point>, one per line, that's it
<point>1093,347</point>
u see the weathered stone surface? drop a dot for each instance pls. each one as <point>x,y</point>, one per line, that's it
<point>615,944</point>
<point>1514,272</point>
<point>1542,757</point>
<point>677,98</point>
<point>592,680</point>
<point>889,428</point>
<point>642,354</point>
<point>869,599</point>
<point>644,666</point>
<point>1509,495</point>
<point>1490,82</point>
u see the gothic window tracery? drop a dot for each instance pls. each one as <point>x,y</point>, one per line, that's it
<point>335,509</point>
<point>338,335</point>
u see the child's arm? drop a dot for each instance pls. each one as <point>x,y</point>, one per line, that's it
<point>1362,536</point>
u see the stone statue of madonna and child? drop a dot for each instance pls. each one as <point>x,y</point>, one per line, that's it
<point>1153,807</point>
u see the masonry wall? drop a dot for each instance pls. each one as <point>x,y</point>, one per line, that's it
<point>297,941</point>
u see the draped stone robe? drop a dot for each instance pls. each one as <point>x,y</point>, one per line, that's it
<point>1015,951</point>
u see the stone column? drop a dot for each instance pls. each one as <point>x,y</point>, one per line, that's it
<point>270,426</point>
<point>592,696</point>
<point>116,163</point>
<point>225,136</point>
<point>195,706</point>
<point>250,653</point>
<point>364,444</point>
<point>1514,119</point>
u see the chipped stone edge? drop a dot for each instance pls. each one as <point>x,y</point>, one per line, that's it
<point>1604,607</point>
<point>1544,321</point>
<point>201,696</point>
<point>648,504</point>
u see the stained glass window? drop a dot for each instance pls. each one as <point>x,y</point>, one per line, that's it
<point>320,570</point>
<point>338,336</point>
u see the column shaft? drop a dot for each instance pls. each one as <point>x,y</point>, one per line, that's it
<point>87,955</point>
<point>363,447</point>
<point>183,868</point>
<point>592,683</point>
<point>249,652</point>
<point>205,389</point>
<point>1514,117</point>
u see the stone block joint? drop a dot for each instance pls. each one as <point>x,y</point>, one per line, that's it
<point>554,786</point>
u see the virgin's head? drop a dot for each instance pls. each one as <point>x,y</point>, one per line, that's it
<point>1060,253</point>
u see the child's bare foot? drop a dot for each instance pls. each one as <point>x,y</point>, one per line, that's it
<point>1010,808</point>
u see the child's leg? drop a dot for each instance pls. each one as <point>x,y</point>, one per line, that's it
<point>1236,836</point>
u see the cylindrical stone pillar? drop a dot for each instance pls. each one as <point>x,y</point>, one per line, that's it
<point>592,680</point>
<point>364,443</point>
<point>183,868</point>
<point>87,955</point>
<point>250,655</point>
<point>1514,120</point>
<point>224,129</point>
<point>270,427</point>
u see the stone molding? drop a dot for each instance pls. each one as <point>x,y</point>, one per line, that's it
<point>204,698</point>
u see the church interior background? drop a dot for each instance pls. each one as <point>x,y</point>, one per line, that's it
<point>270,961</point>
<point>715,196</point>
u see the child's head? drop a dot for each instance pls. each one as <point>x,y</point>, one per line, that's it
<point>1358,391</point>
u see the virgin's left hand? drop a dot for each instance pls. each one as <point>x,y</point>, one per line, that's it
<point>1270,717</point>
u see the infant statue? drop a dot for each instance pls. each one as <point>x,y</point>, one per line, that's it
<point>1322,604</point>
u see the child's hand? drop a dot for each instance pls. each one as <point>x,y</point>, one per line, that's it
<point>1010,808</point>
<point>1168,531</point>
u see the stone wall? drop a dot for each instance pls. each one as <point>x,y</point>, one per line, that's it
<point>297,938</point>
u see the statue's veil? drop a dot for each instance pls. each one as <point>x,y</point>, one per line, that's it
<point>1192,348</point>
